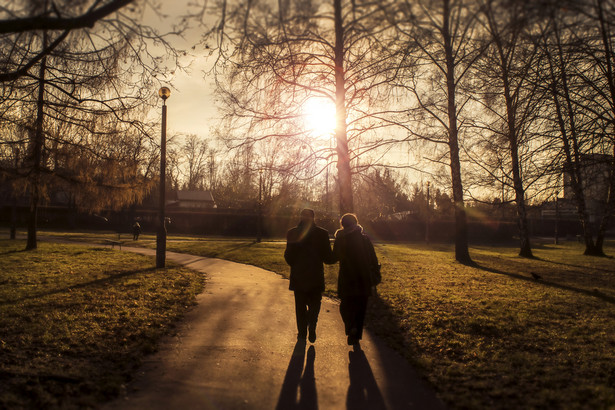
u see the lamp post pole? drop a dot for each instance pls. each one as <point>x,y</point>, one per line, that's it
<point>427,215</point>
<point>259,215</point>
<point>556,217</point>
<point>161,236</point>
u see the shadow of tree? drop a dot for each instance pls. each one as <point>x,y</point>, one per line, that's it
<point>98,282</point>
<point>587,292</point>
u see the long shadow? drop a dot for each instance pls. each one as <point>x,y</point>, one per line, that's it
<point>575,266</point>
<point>543,282</point>
<point>225,251</point>
<point>298,380</point>
<point>363,391</point>
<point>13,251</point>
<point>97,282</point>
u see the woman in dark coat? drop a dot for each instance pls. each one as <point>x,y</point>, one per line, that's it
<point>358,274</point>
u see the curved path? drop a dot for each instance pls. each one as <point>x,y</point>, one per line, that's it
<point>237,349</point>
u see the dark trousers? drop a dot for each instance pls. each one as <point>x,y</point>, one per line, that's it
<point>352,309</point>
<point>307,307</point>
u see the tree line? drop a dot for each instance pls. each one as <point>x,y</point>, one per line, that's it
<point>500,93</point>
<point>484,95</point>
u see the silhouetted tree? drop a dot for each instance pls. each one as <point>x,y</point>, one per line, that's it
<point>441,47</point>
<point>277,58</point>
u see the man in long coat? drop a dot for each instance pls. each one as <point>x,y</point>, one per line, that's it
<point>307,248</point>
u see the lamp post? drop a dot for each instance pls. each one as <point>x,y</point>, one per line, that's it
<point>556,217</point>
<point>427,215</point>
<point>161,236</point>
<point>259,210</point>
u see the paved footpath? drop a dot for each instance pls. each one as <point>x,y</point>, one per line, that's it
<point>237,349</point>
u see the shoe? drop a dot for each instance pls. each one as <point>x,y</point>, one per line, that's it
<point>312,337</point>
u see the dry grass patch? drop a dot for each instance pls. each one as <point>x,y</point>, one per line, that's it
<point>75,321</point>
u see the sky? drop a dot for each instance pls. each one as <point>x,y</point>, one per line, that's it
<point>190,108</point>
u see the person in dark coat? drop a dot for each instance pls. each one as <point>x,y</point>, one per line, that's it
<point>307,248</point>
<point>355,252</point>
<point>136,231</point>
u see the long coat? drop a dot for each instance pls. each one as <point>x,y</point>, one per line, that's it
<point>307,248</point>
<point>355,253</point>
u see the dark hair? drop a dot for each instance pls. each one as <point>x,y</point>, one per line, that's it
<point>349,220</point>
<point>311,211</point>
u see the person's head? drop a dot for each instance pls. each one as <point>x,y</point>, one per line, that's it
<point>307,216</point>
<point>349,221</point>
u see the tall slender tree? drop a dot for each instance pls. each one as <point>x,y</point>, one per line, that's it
<point>441,47</point>
<point>330,50</point>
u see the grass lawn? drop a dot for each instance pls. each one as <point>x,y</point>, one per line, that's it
<point>488,336</point>
<point>75,322</point>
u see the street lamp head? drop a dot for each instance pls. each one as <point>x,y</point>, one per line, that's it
<point>164,93</point>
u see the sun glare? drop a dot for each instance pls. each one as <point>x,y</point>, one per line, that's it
<point>319,117</point>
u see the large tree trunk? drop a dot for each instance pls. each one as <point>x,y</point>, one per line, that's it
<point>576,182</point>
<point>343,156</point>
<point>37,148</point>
<point>462,253</point>
<point>13,227</point>
<point>571,146</point>
<point>525,247</point>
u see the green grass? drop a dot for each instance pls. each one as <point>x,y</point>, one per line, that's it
<point>75,322</point>
<point>488,336</point>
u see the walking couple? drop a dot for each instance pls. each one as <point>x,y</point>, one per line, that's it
<point>307,249</point>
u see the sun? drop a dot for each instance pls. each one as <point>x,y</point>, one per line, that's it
<point>319,117</point>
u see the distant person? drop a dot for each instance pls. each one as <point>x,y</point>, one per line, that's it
<point>359,274</point>
<point>136,231</point>
<point>307,248</point>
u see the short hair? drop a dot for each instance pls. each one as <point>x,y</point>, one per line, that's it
<point>310,211</point>
<point>349,220</point>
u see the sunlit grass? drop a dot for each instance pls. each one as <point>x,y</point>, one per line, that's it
<point>75,321</point>
<point>488,336</point>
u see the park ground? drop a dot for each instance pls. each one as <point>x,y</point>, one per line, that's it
<point>487,336</point>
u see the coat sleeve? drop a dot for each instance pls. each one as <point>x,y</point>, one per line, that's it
<point>371,252</point>
<point>327,254</point>
<point>372,260</point>
<point>336,253</point>
<point>291,249</point>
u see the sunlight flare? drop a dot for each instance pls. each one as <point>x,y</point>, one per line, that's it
<point>319,117</point>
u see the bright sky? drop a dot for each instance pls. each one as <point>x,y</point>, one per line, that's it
<point>190,108</point>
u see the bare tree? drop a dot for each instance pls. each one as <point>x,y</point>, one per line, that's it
<point>442,46</point>
<point>83,109</point>
<point>285,56</point>
<point>511,101</point>
<point>18,19</point>
<point>578,67</point>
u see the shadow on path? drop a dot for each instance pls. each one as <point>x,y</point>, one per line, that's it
<point>363,391</point>
<point>298,380</point>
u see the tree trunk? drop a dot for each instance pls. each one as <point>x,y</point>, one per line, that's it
<point>13,228</point>
<point>37,148</point>
<point>462,253</point>
<point>343,156</point>
<point>571,146</point>
<point>525,248</point>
